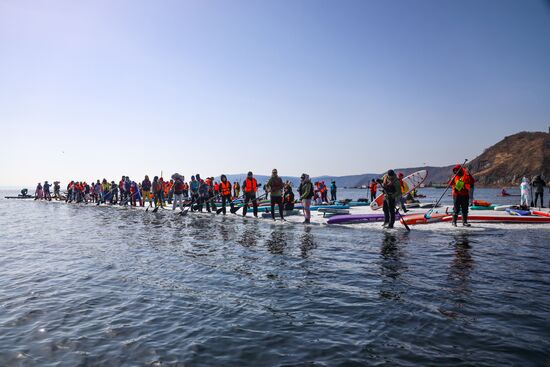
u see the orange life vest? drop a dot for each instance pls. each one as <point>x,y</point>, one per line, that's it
<point>225,188</point>
<point>250,185</point>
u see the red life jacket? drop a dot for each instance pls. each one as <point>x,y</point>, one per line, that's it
<point>250,185</point>
<point>225,188</point>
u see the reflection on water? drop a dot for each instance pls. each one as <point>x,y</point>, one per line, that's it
<point>392,265</point>
<point>307,242</point>
<point>105,286</point>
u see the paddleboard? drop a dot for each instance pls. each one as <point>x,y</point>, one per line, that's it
<point>410,183</point>
<point>428,205</point>
<point>421,219</point>
<point>540,213</point>
<point>502,208</point>
<point>502,218</point>
<point>358,203</point>
<point>19,197</point>
<point>357,218</point>
<point>477,207</point>
<point>333,211</point>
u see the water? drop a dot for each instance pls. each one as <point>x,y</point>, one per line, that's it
<point>86,285</point>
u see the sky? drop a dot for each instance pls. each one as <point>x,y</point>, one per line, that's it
<point>93,89</point>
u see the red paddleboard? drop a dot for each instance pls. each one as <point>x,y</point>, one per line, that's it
<point>420,219</point>
<point>410,183</point>
<point>502,218</point>
<point>539,213</point>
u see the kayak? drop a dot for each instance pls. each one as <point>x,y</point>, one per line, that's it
<point>502,218</point>
<point>481,203</point>
<point>540,213</point>
<point>520,212</point>
<point>479,207</point>
<point>410,183</point>
<point>421,219</point>
<point>357,218</point>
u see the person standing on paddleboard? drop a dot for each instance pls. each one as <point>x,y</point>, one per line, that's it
<point>306,193</point>
<point>461,194</point>
<point>275,187</point>
<point>194,188</point>
<point>177,188</point>
<point>146,190</point>
<point>250,187</point>
<point>225,192</point>
<point>538,188</point>
<point>392,192</point>
<point>333,191</point>
<point>236,189</point>
<point>525,191</point>
<point>47,195</point>
<point>373,187</point>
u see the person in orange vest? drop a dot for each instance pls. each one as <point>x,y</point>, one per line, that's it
<point>250,187</point>
<point>225,192</point>
<point>373,187</point>
<point>460,183</point>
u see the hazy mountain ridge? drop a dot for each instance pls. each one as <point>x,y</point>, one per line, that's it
<point>503,164</point>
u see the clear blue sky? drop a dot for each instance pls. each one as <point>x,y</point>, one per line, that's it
<point>93,89</point>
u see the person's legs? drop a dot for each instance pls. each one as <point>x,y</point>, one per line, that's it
<point>224,200</point>
<point>273,201</point>
<point>464,207</point>
<point>281,209</point>
<point>306,203</point>
<point>456,209</point>
<point>385,208</point>
<point>255,205</point>
<point>391,208</point>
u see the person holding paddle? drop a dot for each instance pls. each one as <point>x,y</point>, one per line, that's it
<point>461,194</point>
<point>275,186</point>
<point>392,190</point>
<point>250,187</point>
<point>225,193</point>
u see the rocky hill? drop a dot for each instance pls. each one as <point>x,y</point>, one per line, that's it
<point>518,155</point>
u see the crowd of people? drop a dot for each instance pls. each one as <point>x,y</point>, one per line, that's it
<point>197,194</point>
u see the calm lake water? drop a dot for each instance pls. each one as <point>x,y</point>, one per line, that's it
<point>87,285</point>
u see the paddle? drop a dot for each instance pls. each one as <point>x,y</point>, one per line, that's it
<point>402,219</point>
<point>231,204</point>
<point>427,215</point>
<point>209,200</point>
<point>235,210</point>
<point>184,212</point>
